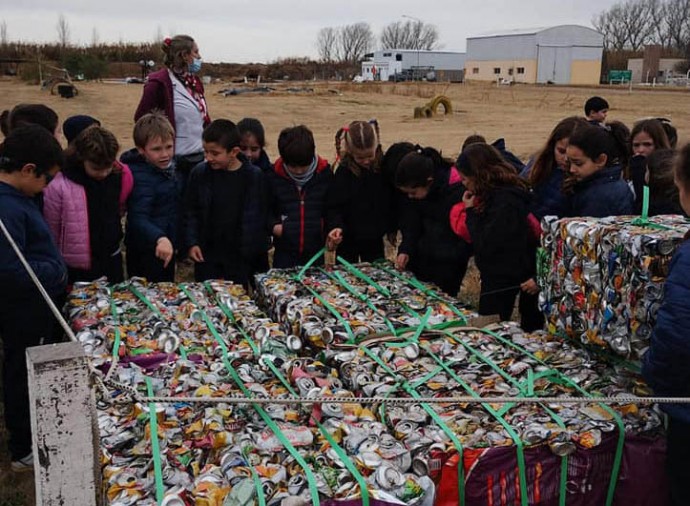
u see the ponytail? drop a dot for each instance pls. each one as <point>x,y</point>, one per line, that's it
<point>416,167</point>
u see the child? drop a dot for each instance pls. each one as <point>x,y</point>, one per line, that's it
<point>596,110</point>
<point>152,218</point>
<point>361,195</point>
<point>298,187</point>
<point>253,143</point>
<point>595,155</point>
<point>34,114</point>
<point>498,221</point>
<point>74,125</point>
<point>665,365</point>
<point>546,173</point>
<point>84,206</point>
<point>29,158</point>
<point>429,248</point>
<point>500,145</point>
<point>646,136</point>
<point>663,193</point>
<point>225,211</point>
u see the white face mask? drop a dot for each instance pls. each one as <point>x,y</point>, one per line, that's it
<point>195,66</point>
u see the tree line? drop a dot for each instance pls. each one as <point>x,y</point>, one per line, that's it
<point>349,43</point>
<point>632,24</point>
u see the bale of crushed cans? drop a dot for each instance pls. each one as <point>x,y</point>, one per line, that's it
<point>211,340</point>
<point>602,278</point>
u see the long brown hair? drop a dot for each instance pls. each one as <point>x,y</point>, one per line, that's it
<point>487,168</point>
<point>546,161</point>
<point>655,129</point>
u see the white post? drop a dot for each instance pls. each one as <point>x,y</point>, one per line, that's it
<point>64,426</point>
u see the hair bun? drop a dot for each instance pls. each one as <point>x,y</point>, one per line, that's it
<point>167,41</point>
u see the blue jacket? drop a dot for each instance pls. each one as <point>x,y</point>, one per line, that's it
<point>549,199</point>
<point>603,194</point>
<point>666,365</point>
<point>29,230</point>
<point>197,213</point>
<point>153,206</point>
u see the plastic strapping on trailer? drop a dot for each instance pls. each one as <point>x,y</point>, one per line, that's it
<point>456,442</point>
<point>356,272</point>
<point>615,470</point>
<point>118,334</point>
<point>269,421</point>
<point>155,448</point>
<point>255,478</point>
<point>311,262</point>
<point>524,390</point>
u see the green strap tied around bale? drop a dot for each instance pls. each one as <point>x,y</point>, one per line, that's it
<point>558,376</point>
<point>311,262</point>
<point>356,272</point>
<point>643,220</point>
<point>262,413</point>
<point>118,334</point>
<point>257,481</point>
<point>155,447</point>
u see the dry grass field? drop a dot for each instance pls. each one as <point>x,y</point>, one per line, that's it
<point>523,115</point>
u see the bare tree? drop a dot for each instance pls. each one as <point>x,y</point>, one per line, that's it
<point>158,36</point>
<point>610,25</point>
<point>354,41</point>
<point>63,31</point>
<point>637,20</point>
<point>326,44</point>
<point>3,33</point>
<point>95,39</point>
<point>409,35</point>
<point>678,21</point>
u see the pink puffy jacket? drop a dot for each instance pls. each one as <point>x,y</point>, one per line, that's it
<point>66,211</point>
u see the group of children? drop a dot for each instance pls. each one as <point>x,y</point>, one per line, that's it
<point>236,205</point>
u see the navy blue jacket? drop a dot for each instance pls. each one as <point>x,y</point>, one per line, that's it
<point>603,194</point>
<point>153,206</point>
<point>666,365</point>
<point>304,214</point>
<point>29,230</point>
<point>197,213</point>
<point>548,197</point>
<point>264,163</point>
<point>500,145</point>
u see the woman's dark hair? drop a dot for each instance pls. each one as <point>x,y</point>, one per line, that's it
<point>416,167</point>
<point>33,114</point>
<point>5,122</point>
<point>473,139</point>
<point>96,145</point>
<point>546,161</point>
<point>222,132</point>
<point>655,129</point>
<point>296,146</point>
<point>392,157</point>
<point>681,167</point>
<point>662,187</point>
<point>611,140</point>
<point>30,144</point>
<point>671,132</point>
<point>175,49</point>
<point>253,126</point>
<point>488,169</point>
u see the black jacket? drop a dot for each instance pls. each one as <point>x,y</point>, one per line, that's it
<point>425,226</point>
<point>603,194</point>
<point>504,247</point>
<point>153,206</point>
<point>303,213</point>
<point>362,203</point>
<point>197,213</point>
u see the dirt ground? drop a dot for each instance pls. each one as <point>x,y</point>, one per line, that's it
<point>523,115</point>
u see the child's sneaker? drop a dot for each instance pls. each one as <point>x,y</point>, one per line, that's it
<point>24,464</point>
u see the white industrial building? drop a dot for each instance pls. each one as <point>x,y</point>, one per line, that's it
<point>566,54</point>
<point>392,64</point>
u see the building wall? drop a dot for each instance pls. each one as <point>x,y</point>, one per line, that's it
<point>585,72</point>
<point>486,70</point>
<point>666,66</point>
<point>505,47</point>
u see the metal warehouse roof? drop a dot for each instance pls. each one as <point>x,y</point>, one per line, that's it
<point>523,31</point>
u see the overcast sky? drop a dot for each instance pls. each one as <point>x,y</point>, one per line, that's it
<point>263,30</point>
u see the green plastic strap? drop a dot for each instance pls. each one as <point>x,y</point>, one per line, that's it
<point>262,413</point>
<point>331,309</point>
<point>645,202</point>
<point>419,286</point>
<point>343,282</point>
<point>233,319</point>
<point>344,458</point>
<point>643,220</point>
<point>146,301</point>
<point>155,448</point>
<point>311,262</point>
<point>524,499</point>
<point>527,390</point>
<point>358,273</point>
<point>118,334</point>
<point>257,481</point>
<point>615,470</point>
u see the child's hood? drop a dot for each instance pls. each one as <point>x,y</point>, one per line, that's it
<point>132,157</point>
<point>279,167</point>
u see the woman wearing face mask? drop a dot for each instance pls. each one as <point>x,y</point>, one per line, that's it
<point>178,92</point>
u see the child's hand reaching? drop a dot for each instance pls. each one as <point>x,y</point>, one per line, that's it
<point>164,250</point>
<point>530,286</point>
<point>335,237</point>
<point>401,261</point>
<point>195,254</point>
